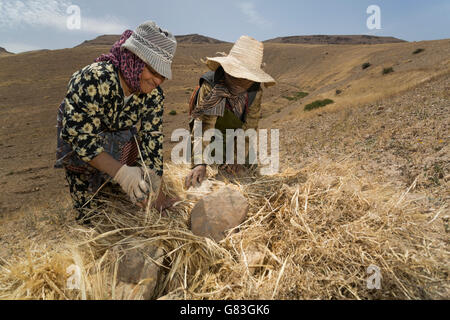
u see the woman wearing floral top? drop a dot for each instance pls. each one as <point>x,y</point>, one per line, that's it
<point>110,122</point>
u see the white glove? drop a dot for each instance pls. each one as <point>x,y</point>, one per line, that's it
<point>132,181</point>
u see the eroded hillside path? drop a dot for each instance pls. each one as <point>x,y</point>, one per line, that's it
<point>403,138</point>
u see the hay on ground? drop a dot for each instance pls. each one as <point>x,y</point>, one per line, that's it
<point>316,231</point>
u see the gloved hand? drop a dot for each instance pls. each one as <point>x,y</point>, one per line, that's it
<point>132,181</point>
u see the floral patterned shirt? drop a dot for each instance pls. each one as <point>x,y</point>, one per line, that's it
<point>95,102</point>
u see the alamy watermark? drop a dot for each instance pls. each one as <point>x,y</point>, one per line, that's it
<point>74,280</point>
<point>374,20</point>
<point>374,280</point>
<point>74,17</point>
<point>235,147</point>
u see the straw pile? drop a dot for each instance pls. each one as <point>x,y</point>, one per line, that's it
<point>314,233</point>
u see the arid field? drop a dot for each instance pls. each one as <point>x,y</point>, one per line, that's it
<point>363,181</point>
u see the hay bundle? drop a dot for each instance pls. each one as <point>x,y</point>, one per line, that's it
<point>314,233</point>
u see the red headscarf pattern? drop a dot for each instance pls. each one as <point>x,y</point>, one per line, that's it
<point>130,65</point>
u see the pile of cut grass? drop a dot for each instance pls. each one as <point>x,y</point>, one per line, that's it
<point>317,229</point>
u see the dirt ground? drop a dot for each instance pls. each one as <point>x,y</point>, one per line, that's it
<point>393,127</point>
<point>33,84</point>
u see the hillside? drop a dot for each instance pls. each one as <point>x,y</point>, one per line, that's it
<point>335,39</point>
<point>362,181</point>
<point>197,39</point>
<point>108,40</point>
<point>3,52</point>
<point>105,40</point>
<point>318,70</point>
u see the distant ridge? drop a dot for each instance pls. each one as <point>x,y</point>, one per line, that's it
<point>335,39</point>
<point>197,38</point>
<point>109,40</point>
<point>105,40</point>
<point>4,52</point>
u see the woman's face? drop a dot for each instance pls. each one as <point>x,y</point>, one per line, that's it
<point>238,83</point>
<point>150,79</point>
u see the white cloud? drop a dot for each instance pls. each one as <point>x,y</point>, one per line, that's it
<point>104,26</point>
<point>248,9</point>
<point>16,14</point>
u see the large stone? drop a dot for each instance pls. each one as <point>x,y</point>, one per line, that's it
<point>218,212</point>
<point>138,274</point>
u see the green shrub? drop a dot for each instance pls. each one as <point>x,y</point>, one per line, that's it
<point>173,113</point>
<point>300,94</point>
<point>296,96</point>
<point>318,104</point>
<point>418,50</point>
<point>365,65</point>
<point>338,92</point>
<point>388,70</point>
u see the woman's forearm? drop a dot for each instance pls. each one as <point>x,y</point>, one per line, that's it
<point>106,163</point>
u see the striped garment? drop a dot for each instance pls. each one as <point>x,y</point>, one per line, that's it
<point>216,101</point>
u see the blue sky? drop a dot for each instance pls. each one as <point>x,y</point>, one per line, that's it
<point>42,24</point>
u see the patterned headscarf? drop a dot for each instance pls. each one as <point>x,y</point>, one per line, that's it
<point>130,65</point>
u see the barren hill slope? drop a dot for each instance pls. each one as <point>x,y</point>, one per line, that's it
<point>335,39</point>
<point>371,188</point>
<point>3,52</point>
<point>372,185</point>
<point>197,38</point>
<point>33,84</point>
<point>108,40</point>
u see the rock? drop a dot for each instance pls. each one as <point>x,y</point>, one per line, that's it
<point>137,274</point>
<point>218,212</point>
<point>254,257</point>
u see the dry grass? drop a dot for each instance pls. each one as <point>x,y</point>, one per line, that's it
<point>317,229</point>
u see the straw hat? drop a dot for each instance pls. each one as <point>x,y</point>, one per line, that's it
<point>244,61</point>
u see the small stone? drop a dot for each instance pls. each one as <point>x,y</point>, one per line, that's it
<point>255,258</point>
<point>218,212</point>
<point>137,274</point>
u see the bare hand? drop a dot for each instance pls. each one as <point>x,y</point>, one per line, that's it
<point>234,169</point>
<point>196,177</point>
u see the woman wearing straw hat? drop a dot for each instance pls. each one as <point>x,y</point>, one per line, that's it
<point>229,98</point>
<point>110,122</point>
